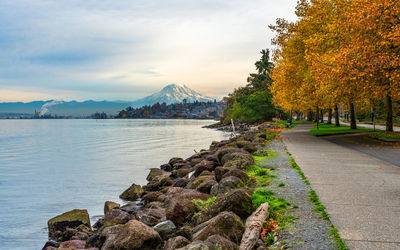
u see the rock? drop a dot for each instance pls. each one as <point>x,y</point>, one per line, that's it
<point>153,173</point>
<point>151,216</point>
<point>181,182</point>
<point>179,194</point>
<point>107,237</point>
<point>158,183</point>
<point>185,231</point>
<point>181,211</point>
<point>94,241</point>
<point>219,172</point>
<point>238,201</point>
<point>220,242</point>
<point>72,244</point>
<point>51,243</point>
<point>99,223</point>
<point>227,151</point>
<point>80,236</point>
<point>239,164</point>
<point>131,207</point>
<point>206,173</point>
<point>206,186</point>
<point>182,172</point>
<point>195,161</point>
<point>247,146</point>
<point>225,224</point>
<point>237,173</point>
<point>116,216</point>
<point>74,219</point>
<point>166,167</point>
<point>165,228</point>
<point>243,156</point>
<point>108,205</point>
<point>132,193</point>
<point>136,235</point>
<point>225,185</point>
<point>176,242</point>
<point>175,160</point>
<point>198,245</point>
<point>153,196</point>
<point>180,165</point>
<point>202,166</point>
<point>213,158</point>
<point>193,184</point>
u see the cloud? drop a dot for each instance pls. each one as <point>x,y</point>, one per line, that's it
<point>132,48</point>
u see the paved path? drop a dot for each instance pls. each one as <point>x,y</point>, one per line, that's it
<point>381,127</point>
<point>361,193</point>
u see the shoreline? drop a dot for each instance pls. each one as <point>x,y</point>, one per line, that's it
<point>144,204</point>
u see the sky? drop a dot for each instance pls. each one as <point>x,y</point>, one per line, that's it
<point>127,49</point>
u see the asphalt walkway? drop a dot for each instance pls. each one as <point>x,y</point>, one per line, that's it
<point>361,193</point>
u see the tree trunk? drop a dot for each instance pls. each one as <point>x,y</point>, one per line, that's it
<point>337,122</point>
<point>389,113</point>
<point>309,115</point>
<point>254,225</point>
<point>353,124</point>
<point>317,117</point>
<point>329,116</point>
<point>321,115</point>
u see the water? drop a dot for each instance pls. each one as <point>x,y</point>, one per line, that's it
<point>48,167</point>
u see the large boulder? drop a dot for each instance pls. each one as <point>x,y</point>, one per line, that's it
<point>153,173</point>
<point>241,155</point>
<point>72,244</point>
<point>237,173</point>
<point>176,242</point>
<point>219,172</point>
<point>180,165</point>
<point>247,146</point>
<point>202,166</point>
<point>108,205</point>
<point>238,201</point>
<point>131,207</point>
<point>116,216</point>
<point>74,219</point>
<point>153,196</point>
<point>175,160</point>
<point>165,228</point>
<point>166,167</point>
<point>181,211</point>
<point>158,183</point>
<point>106,239</point>
<point>194,183</point>
<point>225,185</point>
<point>151,216</point>
<point>198,245</point>
<point>220,242</point>
<point>226,152</point>
<point>206,186</point>
<point>225,224</point>
<point>136,235</point>
<point>180,182</point>
<point>132,193</point>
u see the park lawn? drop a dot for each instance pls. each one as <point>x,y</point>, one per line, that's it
<point>387,135</point>
<point>331,129</point>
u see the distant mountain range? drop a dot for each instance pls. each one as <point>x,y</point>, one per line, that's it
<point>172,93</point>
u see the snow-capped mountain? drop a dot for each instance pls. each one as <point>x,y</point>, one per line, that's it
<point>172,93</point>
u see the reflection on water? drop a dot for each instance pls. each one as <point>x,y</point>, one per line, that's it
<point>51,166</point>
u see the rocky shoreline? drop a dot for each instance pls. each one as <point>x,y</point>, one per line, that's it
<point>201,202</point>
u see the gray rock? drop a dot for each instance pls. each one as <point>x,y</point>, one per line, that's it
<point>116,216</point>
<point>175,243</point>
<point>225,185</point>
<point>165,228</point>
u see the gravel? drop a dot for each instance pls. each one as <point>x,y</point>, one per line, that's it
<point>308,231</point>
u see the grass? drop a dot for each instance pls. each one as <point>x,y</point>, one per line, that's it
<point>202,205</point>
<point>331,129</point>
<point>387,135</point>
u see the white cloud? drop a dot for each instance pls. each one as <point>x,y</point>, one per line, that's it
<point>126,49</point>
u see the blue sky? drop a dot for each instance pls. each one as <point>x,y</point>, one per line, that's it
<point>127,49</point>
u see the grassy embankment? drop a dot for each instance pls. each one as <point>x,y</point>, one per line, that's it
<point>331,129</point>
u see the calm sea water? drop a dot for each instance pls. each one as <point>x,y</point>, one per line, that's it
<point>48,167</point>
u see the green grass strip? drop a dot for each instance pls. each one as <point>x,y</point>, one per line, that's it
<point>331,129</point>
